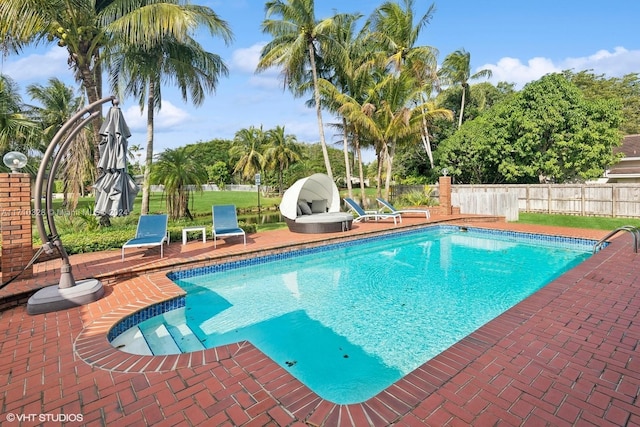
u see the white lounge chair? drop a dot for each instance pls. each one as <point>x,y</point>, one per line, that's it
<point>225,223</point>
<point>387,205</point>
<point>151,231</point>
<point>363,216</point>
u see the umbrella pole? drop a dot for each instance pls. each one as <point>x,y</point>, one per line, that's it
<point>68,293</point>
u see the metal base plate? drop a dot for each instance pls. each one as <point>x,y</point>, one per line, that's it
<point>52,298</point>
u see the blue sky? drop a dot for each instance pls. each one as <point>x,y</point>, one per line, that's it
<point>519,41</point>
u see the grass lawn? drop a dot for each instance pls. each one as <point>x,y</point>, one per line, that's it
<point>592,222</point>
<point>81,233</point>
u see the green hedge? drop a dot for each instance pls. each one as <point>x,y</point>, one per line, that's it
<point>114,237</point>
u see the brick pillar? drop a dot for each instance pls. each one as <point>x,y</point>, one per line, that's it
<point>16,224</point>
<point>445,194</point>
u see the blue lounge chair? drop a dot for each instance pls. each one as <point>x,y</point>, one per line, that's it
<point>387,205</point>
<point>151,231</point>
<point>225,223</point>
<point>363,216</point>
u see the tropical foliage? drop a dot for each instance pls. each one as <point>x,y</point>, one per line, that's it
<point>17,130</point>
<point>141,71</point>
<point>297,39</point>
<point>180,176</point>
<point>58,104</point>
<point>548,132</point>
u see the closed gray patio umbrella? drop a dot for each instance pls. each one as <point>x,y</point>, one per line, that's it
<point>115,190</point>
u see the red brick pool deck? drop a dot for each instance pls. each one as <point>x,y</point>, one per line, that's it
<point>567,355</point>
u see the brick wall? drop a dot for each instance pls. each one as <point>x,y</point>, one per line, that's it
<point>15,224</point>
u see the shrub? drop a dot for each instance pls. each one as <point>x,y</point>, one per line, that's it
<point>418,198</point>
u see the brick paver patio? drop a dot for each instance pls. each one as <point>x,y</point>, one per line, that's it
<point>567,355</point>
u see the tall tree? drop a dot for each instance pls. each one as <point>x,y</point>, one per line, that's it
<point>141,71</point>
<point>246,152</point>
<point>282,151</point>
<point>350,72</point>
<point>179,173</point>
<point>548,132</point>
<point>17,130</point>
<point>456,69</point>
<point>297,39</point>
<point>58,103</point>
<point>397,35</point>
<point>85,27</point>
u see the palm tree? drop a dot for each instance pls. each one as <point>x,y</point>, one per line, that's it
<point>86,27</point>
<point>179,173</point>
<point>397,117</point>
<point>430,112</point>
<point>58,104</point>
<point>246,151</point>
<point>348,74</point>
<point>357,115</point>
<point>456,69</point>
<point>282,151</point>
<point>17,130</point>
<point>139,71</point>
<point>297,38</point>
<point>396,33</point>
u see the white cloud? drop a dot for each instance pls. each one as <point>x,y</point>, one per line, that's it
<point>246,59</point>
<point>513,71</point>
<point>612,64</point>
<point>38,66</point>
<point>169,118</point>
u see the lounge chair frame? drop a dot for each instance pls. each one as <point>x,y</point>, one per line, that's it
<point>227,223</point>
<point>386,205</point>
<point>151,231</point>
<point>363,215</point>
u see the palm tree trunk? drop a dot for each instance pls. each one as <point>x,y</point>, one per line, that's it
<point>462,106</point>
<point>347,164</point>
<point>90,85</point>
<point>316,93</point>
<point>356,142</point>
<point>146,184</point>
<point>425,135</point>
<point>390,154</point>
<point>380,156</point>
<point>280,179</point>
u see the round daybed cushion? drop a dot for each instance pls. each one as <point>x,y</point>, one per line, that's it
<point>328,222</point>
<point>323,218</point>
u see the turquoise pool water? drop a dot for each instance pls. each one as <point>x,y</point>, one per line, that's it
<point>350,320</point>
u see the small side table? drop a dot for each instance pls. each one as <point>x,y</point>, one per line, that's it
<point>201,229</point>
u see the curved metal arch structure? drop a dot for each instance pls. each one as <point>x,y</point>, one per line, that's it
<point>68,293</point>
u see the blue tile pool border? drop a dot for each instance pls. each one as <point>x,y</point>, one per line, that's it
<point>140,316</point>
<point>144,314</point>
<point>573,243</point>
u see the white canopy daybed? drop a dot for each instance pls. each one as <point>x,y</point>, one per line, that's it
<point>312,205</point>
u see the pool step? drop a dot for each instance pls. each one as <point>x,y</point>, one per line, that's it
<point>185,338</point>
<point>171,338</point>
<point>160,340</point>
<point>132,341</point>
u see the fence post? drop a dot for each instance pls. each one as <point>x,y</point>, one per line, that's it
<point>445,194</point>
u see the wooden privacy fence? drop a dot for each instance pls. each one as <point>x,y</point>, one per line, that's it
<point>614,200</point>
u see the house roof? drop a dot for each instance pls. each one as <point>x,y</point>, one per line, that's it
<point>628,166</point>
<point>630,146</point>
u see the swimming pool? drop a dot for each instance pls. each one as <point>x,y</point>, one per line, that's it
<point>350,319</point>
